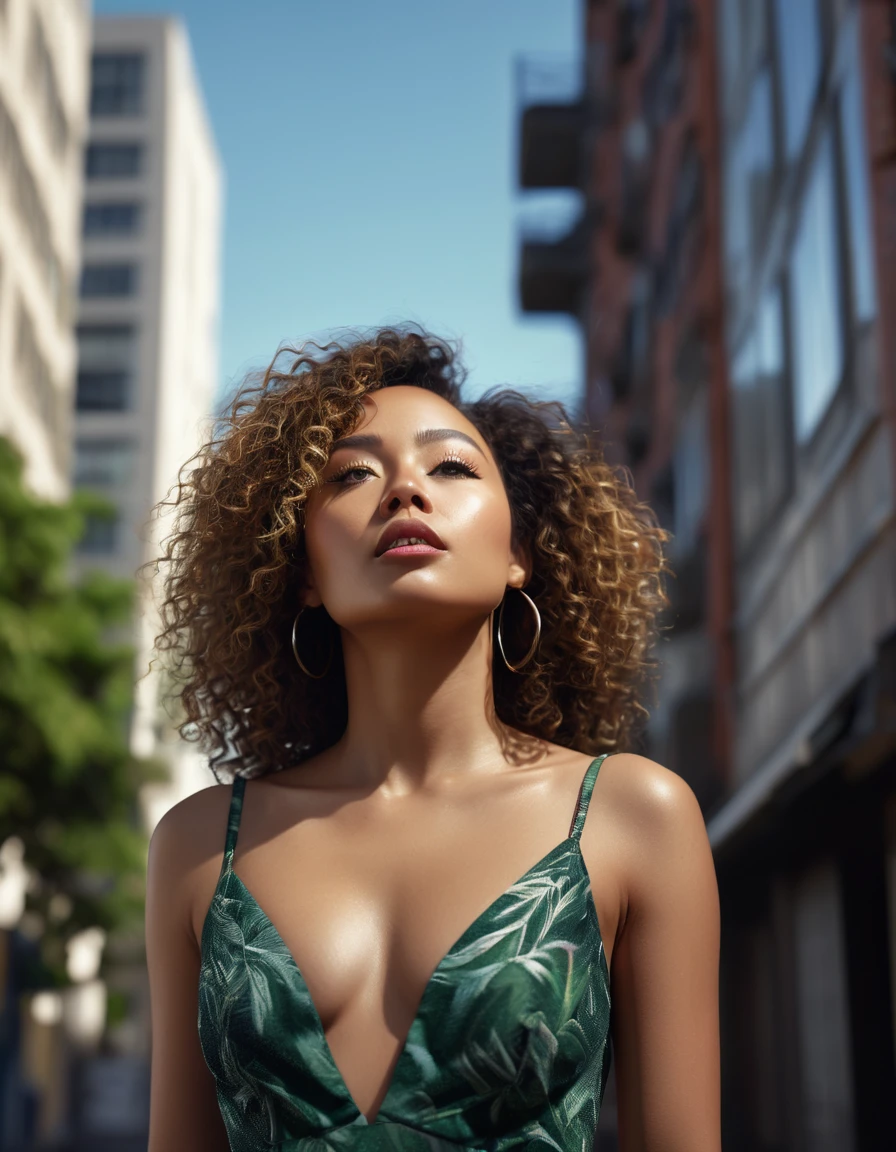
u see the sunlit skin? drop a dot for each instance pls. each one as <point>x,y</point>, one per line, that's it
<point>415,630</point>
<point>373,857</point>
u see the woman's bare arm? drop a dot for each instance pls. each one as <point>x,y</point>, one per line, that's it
<point>184,1112</point>
<point>665,969</point>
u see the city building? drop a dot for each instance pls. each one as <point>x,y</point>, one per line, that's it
<point>147,341</point>
<point>148,307</point>
<point>734,256</point>
<point>639,270</point>
<point>44,48</point>
<point>805,838</point>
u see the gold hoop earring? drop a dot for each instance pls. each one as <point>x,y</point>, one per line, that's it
<point>525,660</point>
<point>295,652</point>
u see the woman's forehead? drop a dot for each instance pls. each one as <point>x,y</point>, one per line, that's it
<point>405,408</point>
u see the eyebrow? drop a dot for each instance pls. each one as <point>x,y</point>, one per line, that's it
<point>426,436</point>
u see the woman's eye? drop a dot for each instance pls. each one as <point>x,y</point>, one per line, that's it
<point>456,468</point>
<point>353,475</point>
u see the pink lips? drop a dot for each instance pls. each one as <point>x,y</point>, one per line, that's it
<point>410,550</point>
<point>427,540</point>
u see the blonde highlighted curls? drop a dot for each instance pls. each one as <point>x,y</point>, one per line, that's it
<point>234,564</point>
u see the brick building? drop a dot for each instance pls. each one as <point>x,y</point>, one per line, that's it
<point>730,269</point>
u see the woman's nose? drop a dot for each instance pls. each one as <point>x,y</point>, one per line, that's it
<point>404,494</point>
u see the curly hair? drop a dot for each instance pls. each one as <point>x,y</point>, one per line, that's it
<point>235,561</point>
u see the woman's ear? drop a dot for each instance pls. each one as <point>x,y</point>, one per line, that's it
<point>311,597</point>
<point>519,572</point>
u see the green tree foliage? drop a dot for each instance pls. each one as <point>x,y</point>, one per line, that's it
<point>68,783</point>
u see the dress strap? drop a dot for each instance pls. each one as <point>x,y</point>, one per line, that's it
<point>233,818</point>
<point>585,796</point>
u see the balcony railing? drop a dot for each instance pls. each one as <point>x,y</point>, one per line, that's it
<point>560,99</point>
<point>554,262</point>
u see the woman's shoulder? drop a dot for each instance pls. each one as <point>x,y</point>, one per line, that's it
<point>186,849</point>
<point>636,787</point>
<point>199,817</point>
<point>645,790</point>
<point>656,816</point>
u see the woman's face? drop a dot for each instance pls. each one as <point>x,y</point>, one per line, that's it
<point>413,469</point>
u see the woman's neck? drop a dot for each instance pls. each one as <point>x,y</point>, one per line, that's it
<point>420,704</point>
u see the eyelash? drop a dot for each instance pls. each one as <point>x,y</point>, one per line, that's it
<point>340,476</point>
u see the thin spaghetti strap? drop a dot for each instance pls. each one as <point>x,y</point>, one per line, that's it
<point>585,796</point>
<point>233,818</point>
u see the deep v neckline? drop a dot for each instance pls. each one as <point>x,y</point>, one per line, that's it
<point>570,843</point>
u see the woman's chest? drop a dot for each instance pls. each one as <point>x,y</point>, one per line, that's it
<point>524,979</point>
<point>368,908</point>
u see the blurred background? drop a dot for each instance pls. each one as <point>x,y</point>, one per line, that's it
<point>678,217</point>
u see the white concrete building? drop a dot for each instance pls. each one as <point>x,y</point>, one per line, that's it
<point>147,317</point>
<point>44,57</point>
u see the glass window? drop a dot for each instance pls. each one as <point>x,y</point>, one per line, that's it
<point>691,469</point>
<point>818,353</point>
<point>103,464</point>
<point>799,55</point>
<point>102,390</point>
<point>108,279</point>
<point>106,360</point>
<point>759,413</point>
<point>744,411</point>
<point>749,175</point>
<point>771,386</point>
<point>119,219</point>
<point>100,534</point>
<point>855,160</point>
<point>743,39</point>
<point>117,84</point>
<point>113,161</point>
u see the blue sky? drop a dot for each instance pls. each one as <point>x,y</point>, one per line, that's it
<point>369,152</point>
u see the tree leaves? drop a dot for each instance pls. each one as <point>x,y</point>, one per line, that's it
<point>68,783</point>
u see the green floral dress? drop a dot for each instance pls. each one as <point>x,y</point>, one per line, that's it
<point>510,1047</point>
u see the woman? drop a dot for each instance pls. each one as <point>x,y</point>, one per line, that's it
<point>411,624</point>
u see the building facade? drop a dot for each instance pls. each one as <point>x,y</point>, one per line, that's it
<point>44,59</point>
<point>730,270</point>
<point>147,343</point>
<point>147,328</point>
<point>804,838</point>
<point>639,270</point>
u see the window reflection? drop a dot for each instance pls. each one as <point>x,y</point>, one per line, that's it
<point>104,466</point>
<point>118,218</point>
<point>855,160</point>
<point>771,383</point>
<point>760,419</point>
<point>743,41</point>
<point>117,83</point>
<point>815,295</point>
<point>112,161</point>
<point>106,360</point>
<point>691,470</point>
<point>799,54</point>
<point>118,279</point>
<point>749,177</point>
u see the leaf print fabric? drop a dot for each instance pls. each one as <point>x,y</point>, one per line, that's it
<point>510,1047</point>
